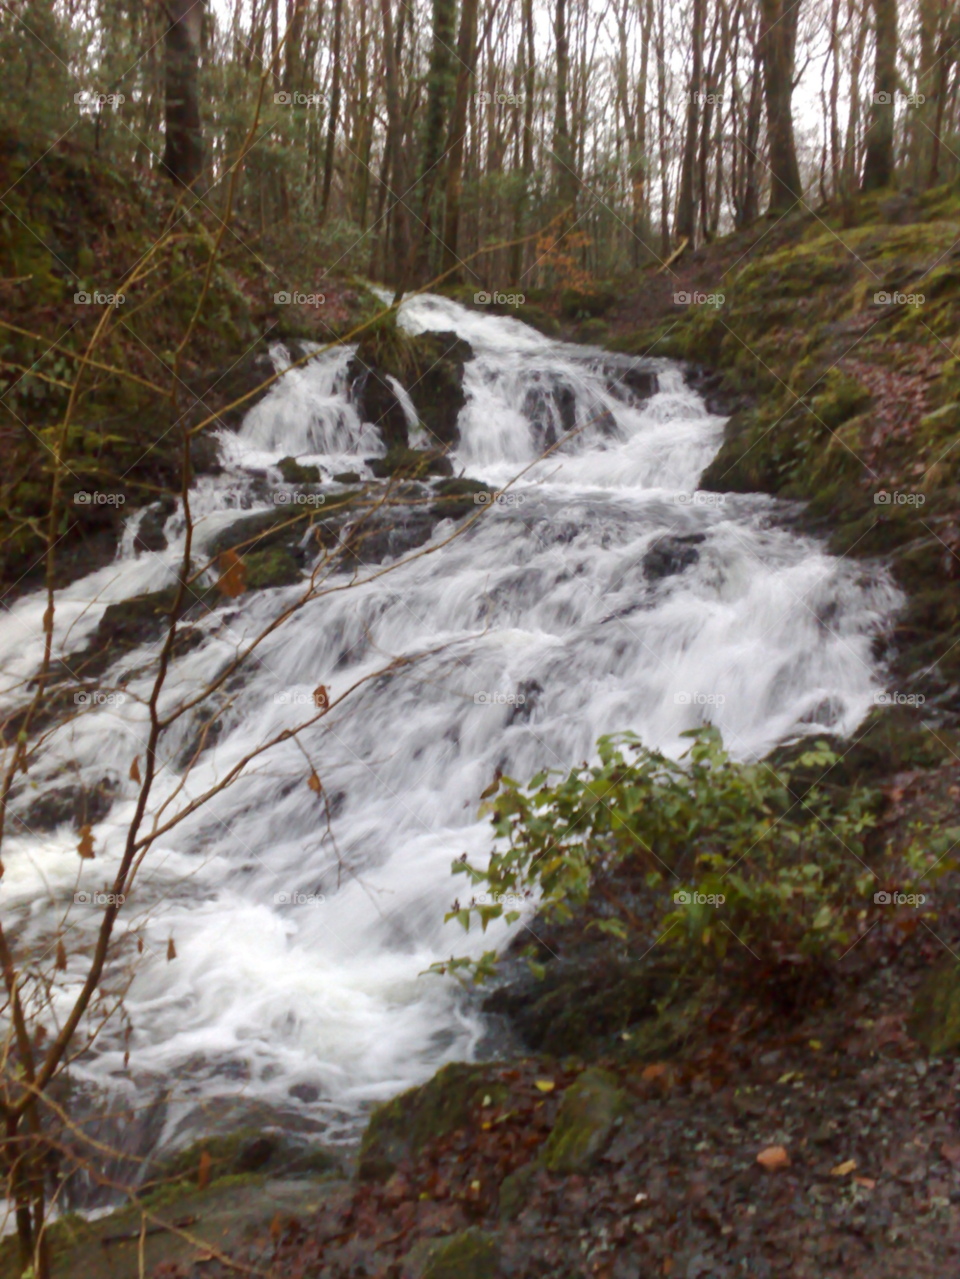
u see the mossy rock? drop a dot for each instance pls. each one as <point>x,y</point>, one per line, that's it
<point>585,1121</point>
<point>515,1191</point>
<point>277,566</point>
<point>408,462</point>
<point>295,473</point>
<point>935,1019</point>
<point>401,1128</point>
<point>472,1254</point>
<point>240,1154</point>
<point>347,477</point>
<point>257,532</point>
<point>457,497</point>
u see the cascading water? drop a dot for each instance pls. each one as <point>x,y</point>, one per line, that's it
<point>553,620</point>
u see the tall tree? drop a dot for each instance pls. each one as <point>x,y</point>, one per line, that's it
<point>183,152</point>
<point>441,78</point>
<point>334,110</point>
<point>563,160</point>
<point>686,207</point>
<point>878,165</point>
<point>466,56</point>
<point>778,42</point>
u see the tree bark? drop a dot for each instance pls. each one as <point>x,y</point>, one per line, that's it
<point>566,180</point>
<point>183,153</point>
<point>778,40</point>
<point>685,227</point>
<point>878,165</point>
<point>334,112</point>
<point>466,56</point>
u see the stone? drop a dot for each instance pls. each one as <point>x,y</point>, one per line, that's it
<point>472,1254</point>
<point>671,555</point>
<point>585,1122</point>
<point>935,1018</point>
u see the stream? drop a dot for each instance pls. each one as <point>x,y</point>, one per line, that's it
<point>560,615</point>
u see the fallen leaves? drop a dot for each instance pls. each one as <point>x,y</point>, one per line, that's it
<point>773,1158</point>
<point>321,698</point>
<point>233,575</point>
<point>545,1085</point>
<point>171,950</point>
<point>135,770</point>
<point>841,1170</point>
<point>85,847</point>
<point>313,781</point>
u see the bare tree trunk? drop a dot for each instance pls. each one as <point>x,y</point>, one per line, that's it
<point>334,111</point>
<point>566,180</point>
<point>662,127</point>
<point>466,56</point>
<point>183,153</point>
<point>529,84</point>
<point>878,166</point>
<point>685,228</point>
<point>778,39</point>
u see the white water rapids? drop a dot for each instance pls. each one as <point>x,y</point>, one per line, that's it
<point>545,598</point>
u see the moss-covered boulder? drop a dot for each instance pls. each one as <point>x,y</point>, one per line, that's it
<point>399,1129</point>
<point>238,1154</point>
<point>294,472</point>
<point>472,1254</point>
<point>935,1018</point>
<point>459,497</point>
<point>515,1191</point>
<point>277,566</point>
<point>402,461</point>
<point>585,1122</point>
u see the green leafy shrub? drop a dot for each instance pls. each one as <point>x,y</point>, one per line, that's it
<point>730,856</point>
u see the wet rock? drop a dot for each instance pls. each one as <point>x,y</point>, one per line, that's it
<point>219,388</point>
<point>278,566</point>
<point>456,498</point>
<point>347,477</point>
<point>400,1129</point>
<point>935,1018</point>
<point>585,1122</point>
<point>242,1152</point>
<point>295,473</point>
<point>79,805</point>
<point>671,555</point>
<point>150,535</point>
<point>515,1191</point>
<point>472,1254</point>
<point>410,462</point>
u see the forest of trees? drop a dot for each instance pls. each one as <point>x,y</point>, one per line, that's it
<point>600,134</point>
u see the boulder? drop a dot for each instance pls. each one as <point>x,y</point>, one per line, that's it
<point>472,1254</point>
<point>671,555</point>
<point>585,1122</point>
<point>935,1018</point>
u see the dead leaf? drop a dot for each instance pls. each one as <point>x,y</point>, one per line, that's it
<point>667,1265</point>
<point>233,575</point>
<point>313,781</point>
<point>135,770</point>
<point>203,1173</point>
<point>139,945</point>
<point>85,847</point>
<point>171,950</point>
<point>773,1158</point>
<point>276,1227</point>
<point>493,787</point>
<point>868,1183</point>
<point>655,1071</point>
<point>320,698</point>
<point>841,1170</point>
<point>546,1085</point>
<point>951,1152</point>
<point>126,1060</point>
<point>61,957</point>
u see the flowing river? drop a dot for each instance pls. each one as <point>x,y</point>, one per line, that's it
<point>551,621</point>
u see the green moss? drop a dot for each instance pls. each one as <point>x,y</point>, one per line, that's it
<point>274,567</point>
<point>410,463</point>
<point>935,1018</point>
<point>294,473</point>
<point>584,1123</point>
<point>472,1254</point>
